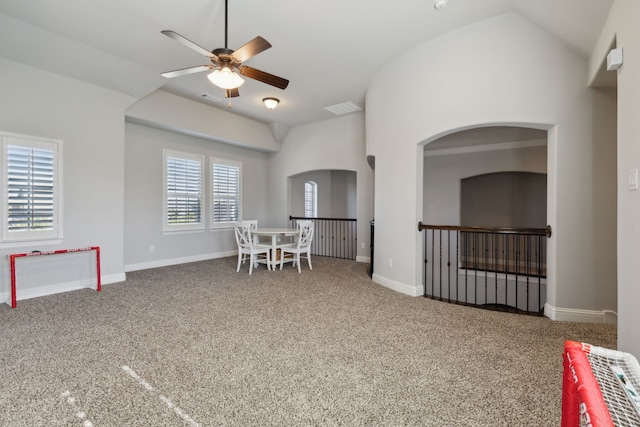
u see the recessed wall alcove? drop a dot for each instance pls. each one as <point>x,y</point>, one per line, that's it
<point>337,193</point>
<point>504,199</point>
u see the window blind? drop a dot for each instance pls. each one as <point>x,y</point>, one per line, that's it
<point>184,191</point>
<point>310,196</point>
<point>226,192</point>
<point>30,188</point>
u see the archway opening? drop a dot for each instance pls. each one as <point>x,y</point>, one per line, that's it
<point>484,192</point>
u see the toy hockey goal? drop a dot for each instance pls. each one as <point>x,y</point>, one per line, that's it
<point>62,269</point>
<point>600,387</point>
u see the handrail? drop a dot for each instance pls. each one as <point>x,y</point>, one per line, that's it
<point>321,219</point>
<point>500,268</point>
<point>332,237</point>
<point>501,230</point>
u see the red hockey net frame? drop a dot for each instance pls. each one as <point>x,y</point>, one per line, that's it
<point>12,261</point>
<point>599,387</point>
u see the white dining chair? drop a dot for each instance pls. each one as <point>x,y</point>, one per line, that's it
<point>298,223</point>
<point>252,224</point>
<point>255,252</point>
<point>301,248</point>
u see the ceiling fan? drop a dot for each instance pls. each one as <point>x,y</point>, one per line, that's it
<point>227,63</point>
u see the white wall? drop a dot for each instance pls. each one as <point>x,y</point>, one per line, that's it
<point>503,70</point>
<point>168,111</point>
<point>144,198</point>
<point>38,103</point>
<point>331,144</point>
<point>622,26</point>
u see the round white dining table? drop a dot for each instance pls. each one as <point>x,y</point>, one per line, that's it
<point>275,233</point>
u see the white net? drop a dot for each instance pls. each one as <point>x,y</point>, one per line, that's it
<point>52,271</point>
<point>618,375</point>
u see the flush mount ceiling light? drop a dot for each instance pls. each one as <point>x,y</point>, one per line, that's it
<point>439,4</point>
<point>270,103</point>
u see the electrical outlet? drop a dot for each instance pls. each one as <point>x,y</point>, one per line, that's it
<point>362,245</point>
<point>390,262</point>
<point>152,248</point>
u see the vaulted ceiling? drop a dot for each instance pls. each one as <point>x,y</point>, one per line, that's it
<point>328,50</point>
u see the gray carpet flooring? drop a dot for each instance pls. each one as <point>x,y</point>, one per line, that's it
<point>201,345</point>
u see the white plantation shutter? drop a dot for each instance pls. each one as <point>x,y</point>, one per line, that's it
<point>310,199</point>
<point>226,185</point>
<point>183,191</point>
<point>30,188</point>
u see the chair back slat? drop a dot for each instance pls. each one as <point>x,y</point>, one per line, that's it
<point>243,233</point>
<point>306,233</point>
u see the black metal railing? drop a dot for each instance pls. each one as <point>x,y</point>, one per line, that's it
<point>491,267</point>
<point>332,237</point>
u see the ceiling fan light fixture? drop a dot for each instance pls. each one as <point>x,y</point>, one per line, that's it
<point>225,78</point>
<point>270,103</point>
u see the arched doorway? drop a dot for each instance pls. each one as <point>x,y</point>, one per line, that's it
<point>329,199</point>
<point>486,177</point>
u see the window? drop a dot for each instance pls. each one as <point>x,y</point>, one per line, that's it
<point>310,199</point>
<point>226,184</point>
<point>31,188</point>
<point>183,183</point>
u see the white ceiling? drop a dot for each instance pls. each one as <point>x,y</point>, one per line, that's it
<point>328,49</point>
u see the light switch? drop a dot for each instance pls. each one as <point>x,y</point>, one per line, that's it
<point>633,179</point>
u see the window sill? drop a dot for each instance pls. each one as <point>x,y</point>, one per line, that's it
<point>29,243</point>
<point>176,232</point>
<point>225,227</point>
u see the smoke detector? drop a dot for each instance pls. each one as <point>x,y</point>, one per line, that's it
<point>439,4</point>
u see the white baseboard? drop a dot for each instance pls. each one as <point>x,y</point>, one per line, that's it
<point>608,317</point>
<point>403,288</point>
<point>114,278</point>
<point>41,291</point>
<point>205,257</point>
<point>175,261</point>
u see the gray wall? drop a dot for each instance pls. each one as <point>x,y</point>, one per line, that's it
<point>336,144</point>
<point>144,197</point>
<point>504,199</point>
<point>484,77</point>
<point>337,193</point>
<point>40,103</point>
<point>443,174</point>
<point>622,29</point>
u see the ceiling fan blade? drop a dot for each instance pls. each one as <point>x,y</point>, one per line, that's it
<point>250,49</point>
<point>188,43</point>
<point>231,93</point>
<point>185,71</point>
<point>263,77</point>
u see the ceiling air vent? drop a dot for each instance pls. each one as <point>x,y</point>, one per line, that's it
<point>344,108</point>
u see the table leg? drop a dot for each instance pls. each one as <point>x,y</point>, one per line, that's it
<point>273,251</point>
